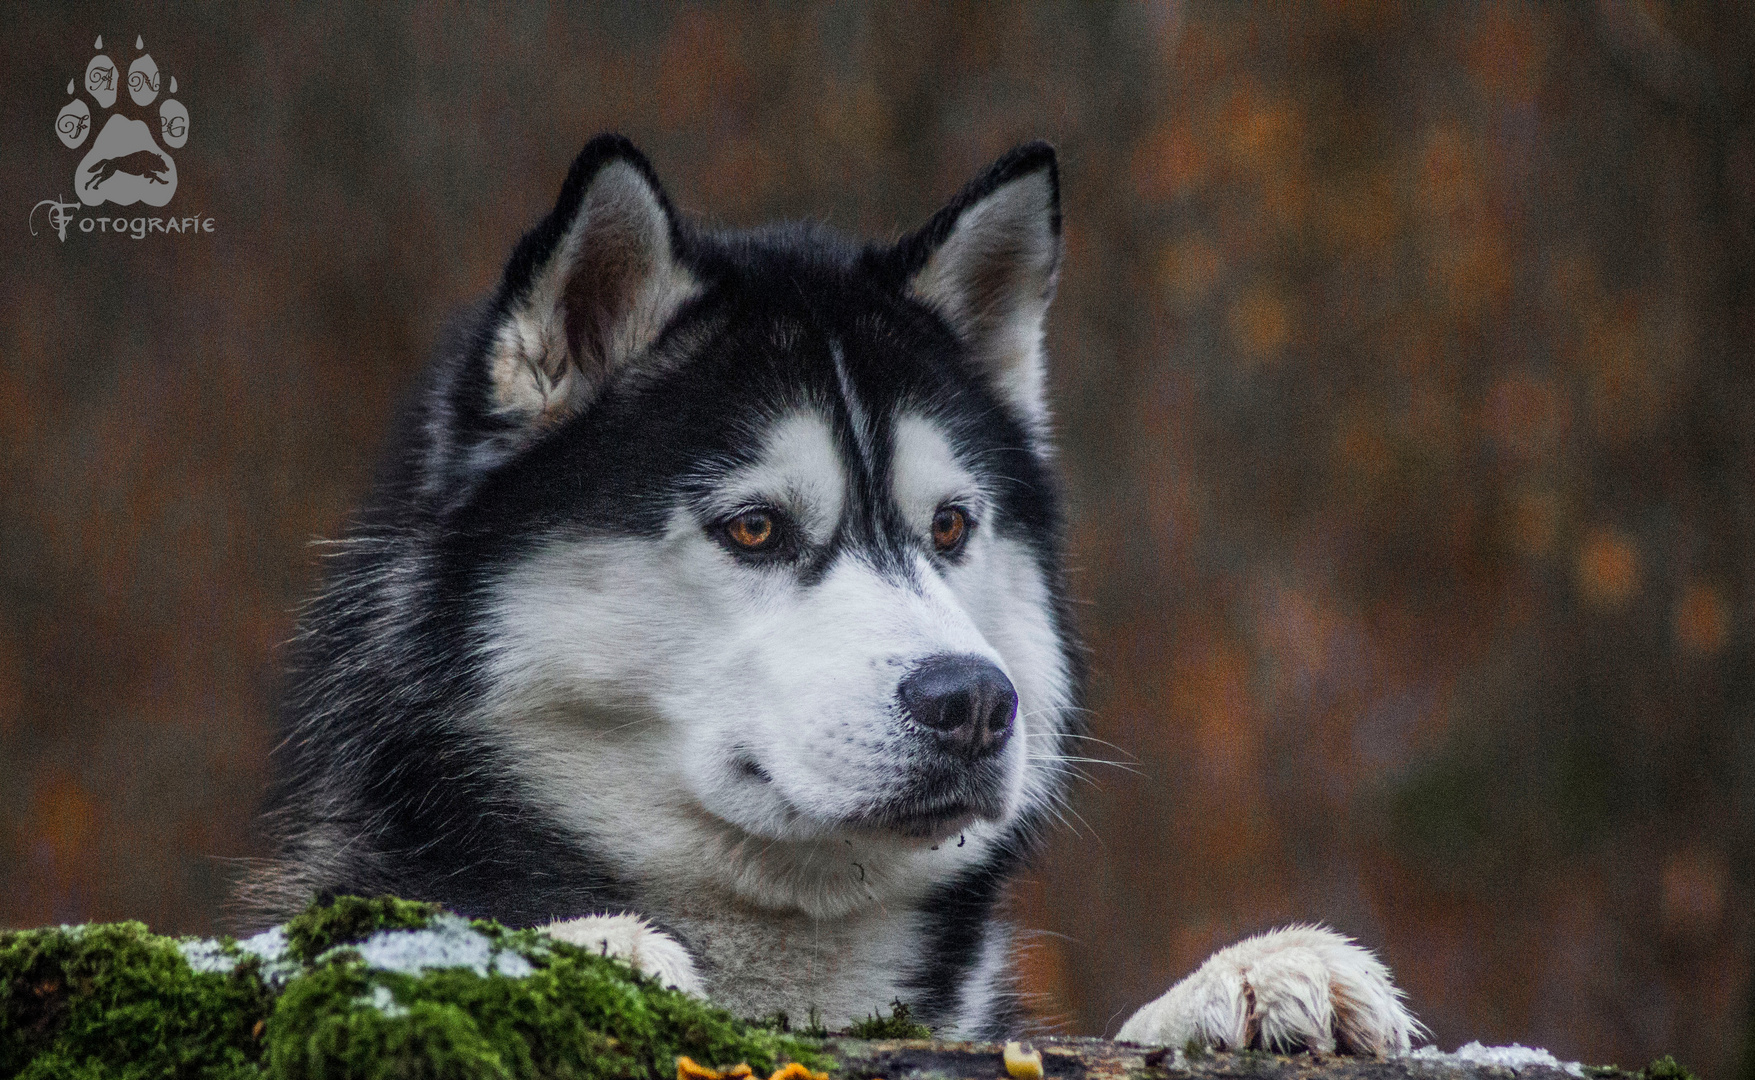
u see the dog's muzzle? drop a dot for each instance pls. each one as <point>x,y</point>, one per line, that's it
<point>966,701</point>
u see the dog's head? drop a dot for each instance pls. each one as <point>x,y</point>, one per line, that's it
<point>762,526</point>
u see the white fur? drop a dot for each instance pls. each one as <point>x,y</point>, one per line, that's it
<point>1297,988</point>
<point>800,472</point>
<point>861,423</point>
<point>988,983</point>
<point>925,474</point>
<point>631,938</point>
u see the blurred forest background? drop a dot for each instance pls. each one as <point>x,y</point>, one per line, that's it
<point>1403,369</point>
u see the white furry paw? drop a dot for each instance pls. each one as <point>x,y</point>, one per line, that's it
<point>1301,988</point>
<point>628,937</point>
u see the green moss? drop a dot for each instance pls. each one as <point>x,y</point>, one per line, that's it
<point>347,919</point>
<point>813,1028</point>
<point>577,1014</point>
<point>117,1001</point>
<point>1667,1068</point>
<point>898,1025</point>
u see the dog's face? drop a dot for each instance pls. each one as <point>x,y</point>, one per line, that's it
<point>762,526</point>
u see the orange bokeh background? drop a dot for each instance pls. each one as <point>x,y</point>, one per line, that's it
<point>1402,363</point>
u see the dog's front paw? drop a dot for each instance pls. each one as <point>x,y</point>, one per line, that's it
<point>647,949</point>
<point>1302,988</point>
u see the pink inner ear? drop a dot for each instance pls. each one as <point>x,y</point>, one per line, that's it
<point>600,294</point>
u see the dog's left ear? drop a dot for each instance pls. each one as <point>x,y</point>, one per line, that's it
<point>987,263</point>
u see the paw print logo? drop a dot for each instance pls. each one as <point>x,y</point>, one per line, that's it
<point>126,164</point>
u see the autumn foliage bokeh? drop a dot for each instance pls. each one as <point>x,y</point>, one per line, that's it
<point>1402,365</point>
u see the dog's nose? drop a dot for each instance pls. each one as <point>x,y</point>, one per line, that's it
<point>967,700</point>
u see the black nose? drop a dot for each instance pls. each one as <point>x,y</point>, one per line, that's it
<point>967,700</point>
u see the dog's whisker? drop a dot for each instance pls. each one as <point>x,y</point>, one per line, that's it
<point>1100,742</point>
<point>1122,765</point>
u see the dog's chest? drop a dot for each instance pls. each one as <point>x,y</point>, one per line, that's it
<point>755,962</point>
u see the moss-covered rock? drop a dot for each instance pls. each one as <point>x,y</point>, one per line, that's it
<point>352,988</point>
<point>118,1001</point>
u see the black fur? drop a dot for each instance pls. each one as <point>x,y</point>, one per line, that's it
<point>380,788</point>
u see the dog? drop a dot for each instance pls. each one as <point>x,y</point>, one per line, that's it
<point>708,610</point>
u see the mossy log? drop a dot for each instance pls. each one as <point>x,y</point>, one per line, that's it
<point>388,988</point>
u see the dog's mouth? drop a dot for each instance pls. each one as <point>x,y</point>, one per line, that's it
<point>924,823</point>
<point>929,809</point>
<point>935,810</point>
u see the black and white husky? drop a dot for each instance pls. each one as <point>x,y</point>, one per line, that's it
<point>709,609</point>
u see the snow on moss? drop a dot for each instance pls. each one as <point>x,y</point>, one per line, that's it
<point>384,1001</point>
<point>208,957</point>
<point>270,947</point>
<point>449,941</point>
<point>1513,1057</point>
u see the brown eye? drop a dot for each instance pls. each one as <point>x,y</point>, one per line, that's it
<point>753,530</point>
<point>950,527</point>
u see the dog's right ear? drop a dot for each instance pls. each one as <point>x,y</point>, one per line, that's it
<point>586,293</point>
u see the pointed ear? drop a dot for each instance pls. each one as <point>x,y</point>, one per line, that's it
<point>987,263</point>
<point>587,291</point>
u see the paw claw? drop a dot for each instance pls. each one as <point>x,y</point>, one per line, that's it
<point>645,948</point>
<point>1301,988</point>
